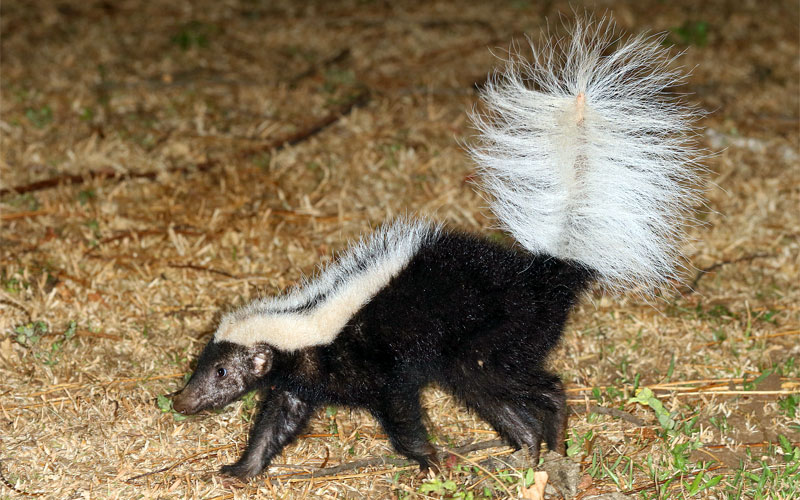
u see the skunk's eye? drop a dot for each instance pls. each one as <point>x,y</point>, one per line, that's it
<point>221,372</point>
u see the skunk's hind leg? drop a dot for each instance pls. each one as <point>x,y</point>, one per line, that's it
<point>544,401</point>
<point>541,395</point>
<point>520,427</point>
<point>555,429</point>
<point>524,408</point>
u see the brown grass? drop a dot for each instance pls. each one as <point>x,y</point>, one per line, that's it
<point>191,156</point>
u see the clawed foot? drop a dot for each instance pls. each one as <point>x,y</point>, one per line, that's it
<point>430,464</point>
<point>241,470</point>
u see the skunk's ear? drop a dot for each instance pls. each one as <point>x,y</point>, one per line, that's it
<point>261,358</point>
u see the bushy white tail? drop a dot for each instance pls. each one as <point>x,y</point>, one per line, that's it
<point>589,157</point>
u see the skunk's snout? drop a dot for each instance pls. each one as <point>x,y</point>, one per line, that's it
<point>183,403</point>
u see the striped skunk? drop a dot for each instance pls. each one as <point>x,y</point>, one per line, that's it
<point>588,159</point>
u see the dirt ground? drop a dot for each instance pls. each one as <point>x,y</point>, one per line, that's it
<point>162,162</point>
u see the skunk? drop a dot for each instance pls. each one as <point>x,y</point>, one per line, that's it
<point>589,163</point>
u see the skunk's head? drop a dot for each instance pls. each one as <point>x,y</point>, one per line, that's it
<point>225,371</point>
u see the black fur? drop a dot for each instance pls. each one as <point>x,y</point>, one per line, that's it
<point>473,316</point>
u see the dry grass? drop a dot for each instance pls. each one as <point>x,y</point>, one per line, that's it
<point>180,111</point>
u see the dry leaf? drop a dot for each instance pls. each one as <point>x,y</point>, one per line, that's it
<point>536,490</point>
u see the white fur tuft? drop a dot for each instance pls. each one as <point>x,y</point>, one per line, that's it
<point>589,157</point>
<point>315,311</point>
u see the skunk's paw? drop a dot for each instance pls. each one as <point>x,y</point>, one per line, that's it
<point>241,470</point>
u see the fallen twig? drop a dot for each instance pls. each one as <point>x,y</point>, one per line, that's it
<point>202,268</point>
<point>738,393</point>
<point>746,445</point>
<point>69,179</point>
<point>779,334</point>
<point>17,306</point>
<point>682,385</point>
<point>360,98</point>
<point>384,460</point>
<point>24,215</point>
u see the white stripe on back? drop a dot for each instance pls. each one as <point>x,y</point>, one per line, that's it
<point>315,311</point>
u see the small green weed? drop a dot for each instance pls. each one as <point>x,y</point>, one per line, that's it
<point>13,284</point>
<point>529,478</point>
<point>86,114</point>
<point>753,385</point>
<point>41,117</point>
<point>31,333</point>
<point>789,405</point>
<point>620,471</point>
<point>86,195</point>
<point>249,402</point>
<point>691,33</point>
<point>331,412</point>
<point>94,227</point>
<point>165,405</point>
<point>789,368</point>
<point>52,357</point>
<point>768,316</point>
<point>700,483</point>
<point>578,444</point>
<point>194,34</point>
<point>647,398</point>
<point>438,486</point>
<point>720,422</point>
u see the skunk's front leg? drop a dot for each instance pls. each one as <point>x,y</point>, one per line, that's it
<point>280,419</point>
